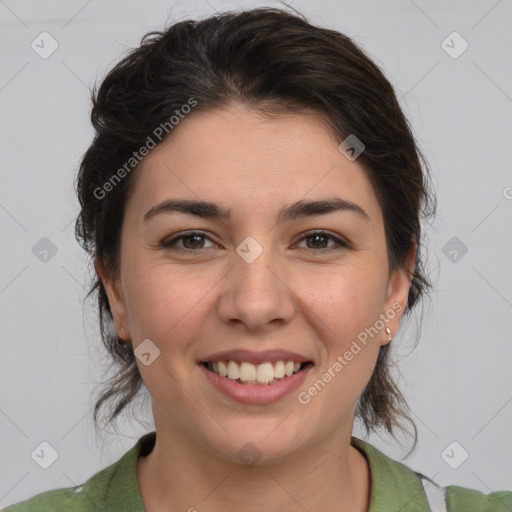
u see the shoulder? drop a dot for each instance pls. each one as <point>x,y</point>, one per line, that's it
<point>395,485</point>
<point>54,500</point>
<point>462,499</point>
<point>82,498</point>
<point>114,489</point>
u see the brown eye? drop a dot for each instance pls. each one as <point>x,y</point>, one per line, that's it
<point>194,242</point>
<point>191,242</point>
<point>319,239</point>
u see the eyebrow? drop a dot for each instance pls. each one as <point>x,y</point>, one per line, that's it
<point>300,209</point>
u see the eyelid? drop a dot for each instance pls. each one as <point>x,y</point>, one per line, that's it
<point>167,243</point>
<point>339,241</point>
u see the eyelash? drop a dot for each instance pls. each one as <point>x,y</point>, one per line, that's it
<point>168,244</point>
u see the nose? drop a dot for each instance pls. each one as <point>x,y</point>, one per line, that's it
<point>257,293</point>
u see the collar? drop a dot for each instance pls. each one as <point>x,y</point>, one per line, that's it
<point>393,485</point>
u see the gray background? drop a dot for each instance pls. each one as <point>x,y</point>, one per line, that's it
<point>458,380</point>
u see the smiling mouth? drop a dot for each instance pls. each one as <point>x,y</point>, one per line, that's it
<point>257,375</point>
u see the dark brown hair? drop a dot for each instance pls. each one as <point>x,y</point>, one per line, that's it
<point>273,61</point>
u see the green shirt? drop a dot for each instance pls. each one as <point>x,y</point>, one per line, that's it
<point>394,488</point>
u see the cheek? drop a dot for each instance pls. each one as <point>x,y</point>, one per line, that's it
<point>169,308</point>
<point>169,305</point>
<point>344,305</point>
<point>341,308</point>
<point>345,300</point>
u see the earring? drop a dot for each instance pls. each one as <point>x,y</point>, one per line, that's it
<point>388,332</point>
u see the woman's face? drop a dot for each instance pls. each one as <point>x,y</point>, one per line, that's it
<point>255,287</point>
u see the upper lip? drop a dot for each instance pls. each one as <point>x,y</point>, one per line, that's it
<point>256,357</point>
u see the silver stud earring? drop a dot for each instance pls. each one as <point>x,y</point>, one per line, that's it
<point>388,332</point>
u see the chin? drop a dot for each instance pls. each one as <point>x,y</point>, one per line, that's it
<point>257,440</point>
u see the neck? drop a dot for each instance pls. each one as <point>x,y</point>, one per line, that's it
<point>181,475</point>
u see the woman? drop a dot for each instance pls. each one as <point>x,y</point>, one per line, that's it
<point>252,201</point>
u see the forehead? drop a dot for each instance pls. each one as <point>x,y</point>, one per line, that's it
<point>240,156</point>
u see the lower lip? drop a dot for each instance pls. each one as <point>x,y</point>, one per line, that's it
<point>250,394</point>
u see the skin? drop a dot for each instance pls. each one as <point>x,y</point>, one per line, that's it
<point>298,295</point>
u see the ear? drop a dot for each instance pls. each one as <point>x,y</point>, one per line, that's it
<point>397,294</point>
<point>116,300</point>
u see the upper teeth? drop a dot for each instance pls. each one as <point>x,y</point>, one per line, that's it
<point>254,374</point>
